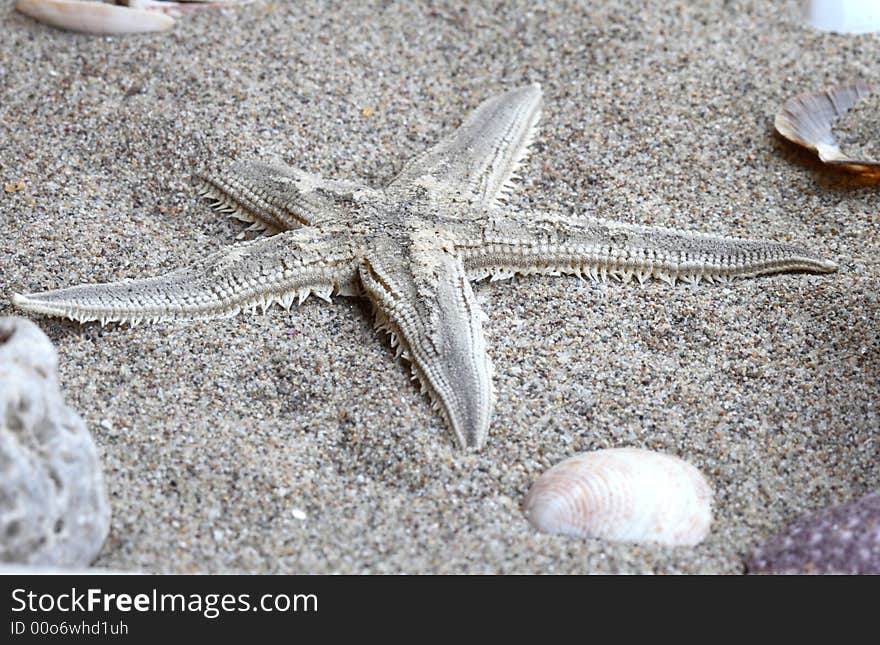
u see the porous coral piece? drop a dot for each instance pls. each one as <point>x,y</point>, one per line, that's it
<point>53,502</point>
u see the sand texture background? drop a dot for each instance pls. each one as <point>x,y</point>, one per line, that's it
<point>216,434</point>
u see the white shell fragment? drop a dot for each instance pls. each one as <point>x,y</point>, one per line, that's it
<point>623,494</point>
<point>807,119</point>
<point>94,17</point>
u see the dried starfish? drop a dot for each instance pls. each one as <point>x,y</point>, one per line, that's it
<point>412,248</point>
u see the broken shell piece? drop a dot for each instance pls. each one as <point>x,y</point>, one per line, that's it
<point>807,120</point>
<point>94,17</point>
<point>624,494</point>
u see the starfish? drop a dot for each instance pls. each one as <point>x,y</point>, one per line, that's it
<point>413,248</point>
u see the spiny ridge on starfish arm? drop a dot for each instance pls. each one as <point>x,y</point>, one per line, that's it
<point>271,196</point>
<point>599,249</point>
<point>412,249</point>
<point>283,269</point>
<point>426,302</point>
<point>479,162</point>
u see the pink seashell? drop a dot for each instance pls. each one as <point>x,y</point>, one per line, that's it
<point>623,494</point>
<point>94,17</point>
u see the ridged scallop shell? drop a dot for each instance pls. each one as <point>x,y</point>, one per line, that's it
<point>624,494</point>
<point>807,120</point>
<point>94,17</point>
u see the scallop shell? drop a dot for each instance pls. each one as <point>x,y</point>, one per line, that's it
<point>624,494</point>
<point>807,120</point>
<point>94,17</point>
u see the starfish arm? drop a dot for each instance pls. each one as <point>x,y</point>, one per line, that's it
<point>477,162</point>
<point>427,304</point>
<point>283,269</point>
<point>549,243</point>
<point>274,197</point>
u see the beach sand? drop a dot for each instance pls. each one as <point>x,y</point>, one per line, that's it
<point>294,443</point>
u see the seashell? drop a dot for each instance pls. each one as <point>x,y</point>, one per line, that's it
<point>177,8</point>
<point>94,17</point>
<point>843,539</point>
<point>807,120</point>
<point>624,494</point>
